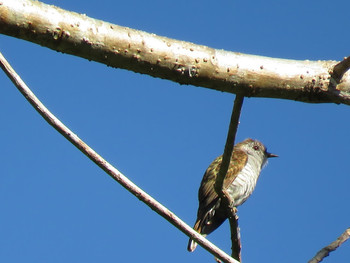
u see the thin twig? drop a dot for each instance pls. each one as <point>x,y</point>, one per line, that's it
<point>230,141</point>
<point>235,236</point>
<point>108,168</point>
<point>324,252</point>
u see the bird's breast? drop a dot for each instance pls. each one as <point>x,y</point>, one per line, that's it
<point>244,184</point>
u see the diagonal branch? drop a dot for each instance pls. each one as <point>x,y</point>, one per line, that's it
<point>324,252</point>
<point>107,167</point>
<point>180,61</point>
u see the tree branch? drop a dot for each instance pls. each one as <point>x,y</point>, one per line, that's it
<point>324,252</point>
<point>236,245</point>
<point>339,70</point>
<point>230,141</point>
<point>226,157</point>
<point>107,167</point>
<point>180,61</point>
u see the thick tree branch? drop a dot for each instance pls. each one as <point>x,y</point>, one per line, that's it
<point>324,252</point>
<point>183,62</point>
<point>107,167</point>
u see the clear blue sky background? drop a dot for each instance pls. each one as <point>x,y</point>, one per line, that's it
<point>57,206</point>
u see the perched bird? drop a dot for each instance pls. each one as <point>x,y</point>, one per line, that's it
<point>247,160</point>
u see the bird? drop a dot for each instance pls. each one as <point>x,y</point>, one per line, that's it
<point>247,160</point>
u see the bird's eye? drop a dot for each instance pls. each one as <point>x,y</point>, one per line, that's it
<point>256,147</point>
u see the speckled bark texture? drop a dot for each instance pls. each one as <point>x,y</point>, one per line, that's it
<point>180,61</point>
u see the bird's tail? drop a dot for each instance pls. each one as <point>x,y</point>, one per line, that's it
<point>191,243</point>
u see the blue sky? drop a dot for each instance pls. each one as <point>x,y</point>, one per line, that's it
<point>57,206</point>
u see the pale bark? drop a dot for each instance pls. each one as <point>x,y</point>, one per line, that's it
<point>180,61</point>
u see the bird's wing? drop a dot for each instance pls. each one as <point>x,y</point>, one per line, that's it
<point>207,194</point>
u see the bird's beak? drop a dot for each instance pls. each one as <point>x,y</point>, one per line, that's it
<point>269,155</point>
